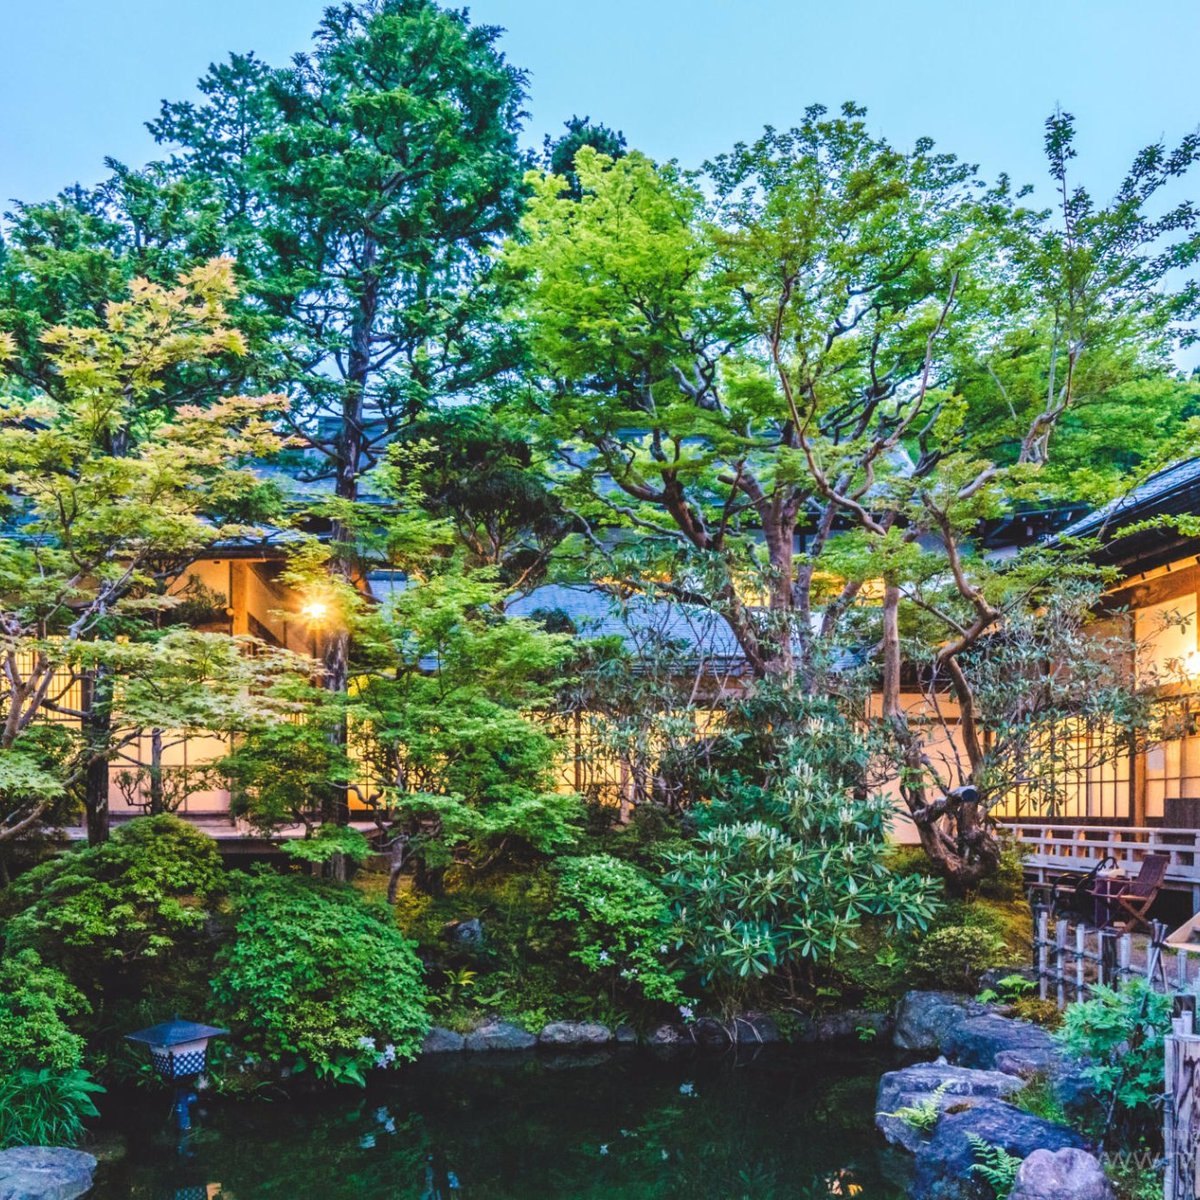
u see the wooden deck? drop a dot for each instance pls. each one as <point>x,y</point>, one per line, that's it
<point>1052,849</point>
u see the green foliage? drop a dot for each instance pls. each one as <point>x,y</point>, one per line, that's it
<point>362,186</point>
<point>956,955</point>
<point>619,921</point>
<point>1118,1036</point>
<point>994,1165</point>
<point>771,896</point>
<point>110,915</point>
<point>116,482</point>
<point>923,1115</point>
<point>316,978</point>
<point>1040,1098</point>
<point>46,1106</point>
<point>327,843</point>
<point>466,771</point>
<point>40,1012</point>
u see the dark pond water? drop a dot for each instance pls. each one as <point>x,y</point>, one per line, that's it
<point>772,1124</point>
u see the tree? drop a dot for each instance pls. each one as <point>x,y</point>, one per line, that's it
<point>808,385</point>
<point>478,477</point>
<point>368,183</point>
<point>558,154</point>
<point>109,492</point>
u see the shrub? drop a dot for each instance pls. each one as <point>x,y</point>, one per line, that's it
<point>37,1003</point>
<point>1118,1035</point>
<point>620,922</point>
<point>107,913</point>
<point>45,1107</point>
<point>955,956</point>
<point>317,978</point>
<point>786,892</point>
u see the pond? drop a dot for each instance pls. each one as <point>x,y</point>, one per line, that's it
<point>763,1125</point>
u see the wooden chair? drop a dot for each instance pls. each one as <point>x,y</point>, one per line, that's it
<point>1134,900</point>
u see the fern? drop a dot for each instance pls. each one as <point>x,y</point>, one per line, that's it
<point>994,1165</point>
<point>924,1114</point>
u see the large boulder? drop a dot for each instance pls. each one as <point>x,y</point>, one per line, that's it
<point>575,1033</point>
<point>44,1173</point>
<point>756,1029</point>
<point>944,1163</point>
<point>938,1082</point>
<point>923,1019</point>
<point>440,1040</point>
<point>1061,1175</point>
<point>980,1041</point>
<point>499,1035</point>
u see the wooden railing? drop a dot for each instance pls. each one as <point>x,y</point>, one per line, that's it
<point>1057,849</point>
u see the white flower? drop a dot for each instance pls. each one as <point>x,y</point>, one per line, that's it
<point>366,1043</point>
<point>604,956</point>
<point>604,1149</point>
<point>367,1141</point>
<point>687,1089</point>
<point>686,1012</point>
<point>662,949</point>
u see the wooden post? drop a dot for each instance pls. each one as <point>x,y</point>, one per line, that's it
<point>1108,957</point>
<point>1182,1116</point>
<point>1080,958</point>
<point>1060,962</point>
<point>1043,953</point>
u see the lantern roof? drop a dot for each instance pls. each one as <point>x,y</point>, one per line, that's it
<point>174,1033</point>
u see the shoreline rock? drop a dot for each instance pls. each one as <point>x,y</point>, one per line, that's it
<point>937,1082</point>
<point>45,1173</point>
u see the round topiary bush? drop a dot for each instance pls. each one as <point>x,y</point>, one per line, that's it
<point>315,977</point>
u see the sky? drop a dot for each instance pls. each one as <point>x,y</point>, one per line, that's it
<point>682,79</point>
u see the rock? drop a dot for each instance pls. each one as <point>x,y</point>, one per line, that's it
<point>943,1169</point>
<point>669,1035</point>
<point>977,1041</point>
<point>923,1019</point>
<point>1030,1062</point>
<point>466,933</point>
<point>1061,1175</point>
<point>499,1035</point>
<point>44,1173</point>
<point>755,1029</point>
<point>442,1041</point>
<point>626,1035</point>
<point>913,1085</point>
<point>710,1033</point>
<point>575,1033</point>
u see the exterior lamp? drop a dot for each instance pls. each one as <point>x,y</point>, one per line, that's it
<point>315,610</point>
<point>178,1052</point>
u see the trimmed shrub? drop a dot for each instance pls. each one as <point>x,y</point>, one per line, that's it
<point>955,956</point>
<point>317,978</point>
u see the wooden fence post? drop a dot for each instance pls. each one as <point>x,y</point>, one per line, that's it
<point>1043,952</point>
<point>1182,1116</point>
<point>1060,962</point>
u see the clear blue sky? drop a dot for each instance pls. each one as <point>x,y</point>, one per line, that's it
<point>682,78</point>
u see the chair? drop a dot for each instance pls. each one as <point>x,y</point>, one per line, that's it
<point>1076,894</point>
<point>1135,899</point>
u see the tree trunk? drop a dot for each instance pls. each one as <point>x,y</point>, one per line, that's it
<point>955,831</point>
<point>95,698</point>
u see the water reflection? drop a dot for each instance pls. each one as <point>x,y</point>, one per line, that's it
<point>479,1128</point>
